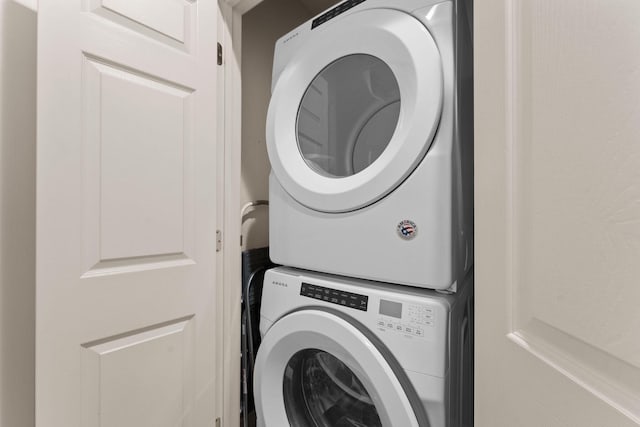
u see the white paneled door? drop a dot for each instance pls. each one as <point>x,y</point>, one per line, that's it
<point>557,213</point>
<point>127,300</point>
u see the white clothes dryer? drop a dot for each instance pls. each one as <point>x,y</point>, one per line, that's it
<point>348,352</point>
<point>369,135</point>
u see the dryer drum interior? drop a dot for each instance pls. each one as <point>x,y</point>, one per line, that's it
<point>348,115</point>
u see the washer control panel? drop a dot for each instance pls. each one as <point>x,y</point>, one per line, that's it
<point>407,319</point>
<point>334,296</point>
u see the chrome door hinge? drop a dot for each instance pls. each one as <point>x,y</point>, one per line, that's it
<point>219,54</point>
<point>218,422</point>
<point>218,240</point>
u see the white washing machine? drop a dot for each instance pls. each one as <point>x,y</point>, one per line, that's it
<point>369,134</point>
<point>340,352</point>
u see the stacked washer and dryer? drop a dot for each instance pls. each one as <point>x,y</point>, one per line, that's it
<point>370,139</point>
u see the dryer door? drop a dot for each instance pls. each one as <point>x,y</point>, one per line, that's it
<point>354,111</point>
<point>317,367</point>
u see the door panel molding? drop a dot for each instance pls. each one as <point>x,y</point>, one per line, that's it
<point>130,359</point>
<point>544,332</point>
<point>155,209</point>
<point>556,214</point>
<point>171,22</point>
<point>586,365</point>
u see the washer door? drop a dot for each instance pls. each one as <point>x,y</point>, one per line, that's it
<point>316,367</point>
<point>354,112</point>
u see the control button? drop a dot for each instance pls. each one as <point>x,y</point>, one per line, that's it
<point>399,327</point>
<point>381,323</point>
<point>408,329</point>
<point>389,325</point>
<point>419,332</point>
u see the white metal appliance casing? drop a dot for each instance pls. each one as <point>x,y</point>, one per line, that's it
<point>430,360</point>
<point>436,195</point>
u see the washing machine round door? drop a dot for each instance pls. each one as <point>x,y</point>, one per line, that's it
<point>355,110</point>
<point>318,367</point>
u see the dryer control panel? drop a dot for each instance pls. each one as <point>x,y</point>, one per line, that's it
<point>333,12</point>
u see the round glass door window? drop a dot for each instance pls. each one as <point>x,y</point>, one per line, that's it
<point>348,115</point>
<point>321,391</point>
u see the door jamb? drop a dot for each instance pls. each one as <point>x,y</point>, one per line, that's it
<point>231,120</point>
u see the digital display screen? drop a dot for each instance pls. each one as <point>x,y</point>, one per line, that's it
<point>391,308</point>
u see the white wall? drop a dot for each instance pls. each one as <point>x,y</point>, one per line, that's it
<point>261,27</point>
<point>17,211</point>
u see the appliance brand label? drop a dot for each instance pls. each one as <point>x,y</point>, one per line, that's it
<point>291,37</point>
<point>278,283</point>
<point>407,229</point>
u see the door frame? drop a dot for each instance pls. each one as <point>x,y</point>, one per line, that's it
<point>230,130</point>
